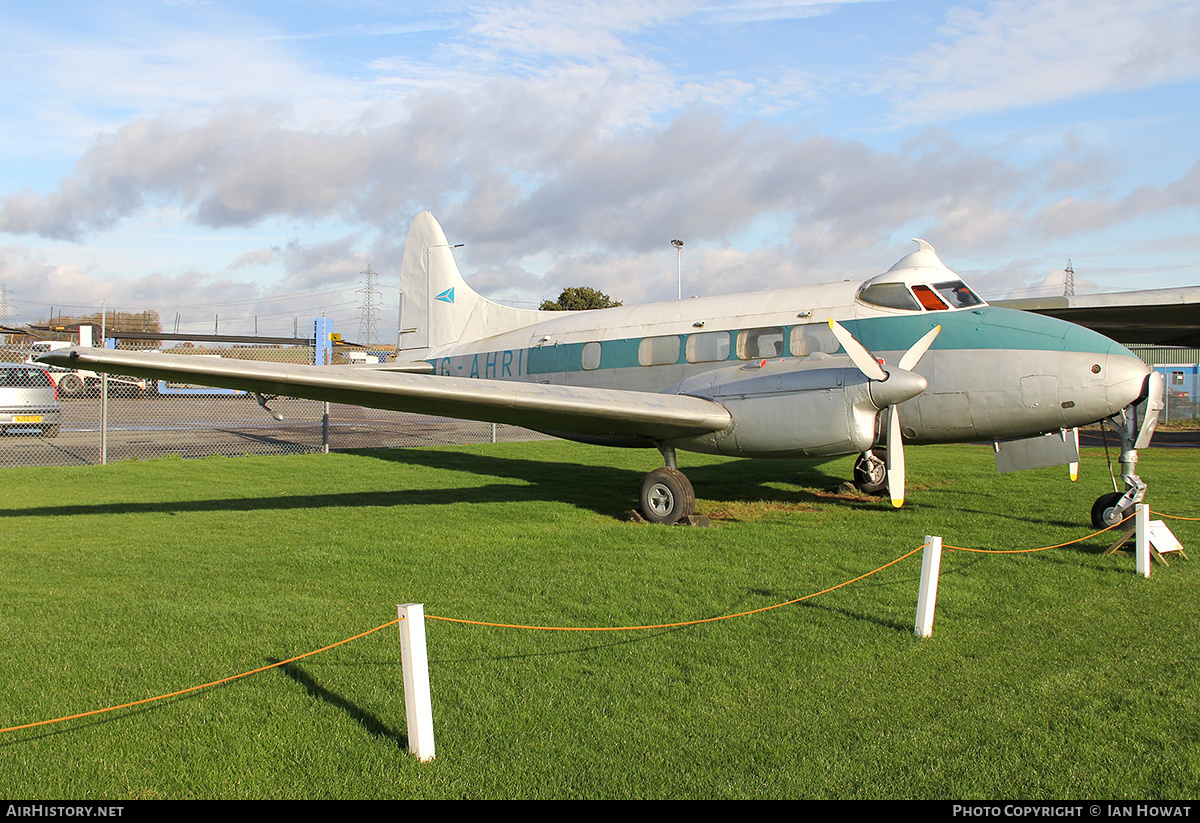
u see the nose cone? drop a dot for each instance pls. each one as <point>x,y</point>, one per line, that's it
<point>1124,377</point>
<point>900,385</point>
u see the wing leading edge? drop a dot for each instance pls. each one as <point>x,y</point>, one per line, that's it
<point>602,413</point>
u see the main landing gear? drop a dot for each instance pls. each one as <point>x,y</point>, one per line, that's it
<point>666,495</point>
<point>870,473</point>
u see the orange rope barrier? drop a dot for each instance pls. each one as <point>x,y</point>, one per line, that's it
<point>578,628</point>
<point>1043,548</point>
<point>453,620</point>
<point>1173,516</point>
<point>198,688</point>
<point>674,625</point>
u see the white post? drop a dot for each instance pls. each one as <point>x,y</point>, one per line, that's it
<point>931,562</point>
<point>103,387</point>
<point>1141,541</point>
<point>418,710</point>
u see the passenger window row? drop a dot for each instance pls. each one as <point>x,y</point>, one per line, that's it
<point>715,347</point>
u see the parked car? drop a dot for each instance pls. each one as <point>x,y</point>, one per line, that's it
<point>28,399</point>
<point>78,382</point>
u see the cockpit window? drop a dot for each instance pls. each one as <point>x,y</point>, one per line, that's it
<point>929,298</point>
<point>889,295</point>
<point>957,294</point>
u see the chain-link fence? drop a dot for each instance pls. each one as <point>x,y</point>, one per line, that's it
<point>139,419</point>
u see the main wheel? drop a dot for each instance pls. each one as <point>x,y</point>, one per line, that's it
<point>666,496</point>
<point>1105,512</point>
<point>71,385</point>
<point>870,476</point>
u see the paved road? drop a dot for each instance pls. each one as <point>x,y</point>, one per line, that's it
<point>1186,439</point>
<point>235,425</point>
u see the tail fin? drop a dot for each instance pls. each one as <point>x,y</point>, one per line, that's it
<point>438,308</point>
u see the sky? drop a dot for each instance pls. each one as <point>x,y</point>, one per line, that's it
<point>236,166</point>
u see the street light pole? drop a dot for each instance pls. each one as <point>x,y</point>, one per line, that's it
<point>678,244</point>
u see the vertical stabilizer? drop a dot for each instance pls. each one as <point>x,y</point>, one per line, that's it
<point>438,308</point>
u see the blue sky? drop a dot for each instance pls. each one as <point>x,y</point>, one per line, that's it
<point>251,159</point>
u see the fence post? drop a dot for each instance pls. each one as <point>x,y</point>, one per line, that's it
<point>418,709</point>
<point>931,562</point>
<point>1141,540</point>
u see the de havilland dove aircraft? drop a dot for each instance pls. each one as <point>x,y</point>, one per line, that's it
<point>911,355</point>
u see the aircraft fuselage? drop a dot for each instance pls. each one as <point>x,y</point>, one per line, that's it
<point>992,373</point>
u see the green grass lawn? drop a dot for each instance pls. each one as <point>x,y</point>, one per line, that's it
<point>1060,674</point>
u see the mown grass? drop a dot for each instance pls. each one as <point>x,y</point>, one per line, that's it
<point>1052,675</point>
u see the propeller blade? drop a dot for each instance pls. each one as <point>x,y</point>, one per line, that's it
<point>914,355</point>
<point>858,353</point>
<point>895,459</point>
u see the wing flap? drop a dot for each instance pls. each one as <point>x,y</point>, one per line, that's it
<point>568,409</point>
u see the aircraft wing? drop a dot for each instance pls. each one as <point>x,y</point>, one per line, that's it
<point>568,409</point>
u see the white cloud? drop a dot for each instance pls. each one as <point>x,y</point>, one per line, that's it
<point>571,140</point>
<point>1030,52</point>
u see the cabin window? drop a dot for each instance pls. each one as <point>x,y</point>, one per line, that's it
<point>813,338</point>
<point>1176,378</point>
<point>929,299</point>
<point>659,351</point>
<point>889,295</point>
<point>755,344</point>
<point>708,347</point>
<point>958,294</point>
<point>591,356</point>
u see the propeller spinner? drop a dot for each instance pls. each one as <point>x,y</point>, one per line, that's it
<point>889,388</point>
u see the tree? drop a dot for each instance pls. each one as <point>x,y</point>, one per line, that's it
<point>579,298</point>
<point>114,321</point>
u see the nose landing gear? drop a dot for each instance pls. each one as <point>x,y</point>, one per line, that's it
<point>1110,509</point>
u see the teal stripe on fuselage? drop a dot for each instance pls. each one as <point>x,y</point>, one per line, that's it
<point>985,328</point>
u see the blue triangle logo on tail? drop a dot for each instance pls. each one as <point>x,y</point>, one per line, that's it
<point>447,296</point>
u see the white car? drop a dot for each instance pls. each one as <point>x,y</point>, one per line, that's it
<point>28,399</point>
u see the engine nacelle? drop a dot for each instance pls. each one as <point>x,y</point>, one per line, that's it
<point>816,407</point>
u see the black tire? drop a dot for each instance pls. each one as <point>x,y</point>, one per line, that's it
<point>666,496</point>
<point>1105,512</point>
<point>868,481</point>
<point>71,385</point>
<point>50,431</point>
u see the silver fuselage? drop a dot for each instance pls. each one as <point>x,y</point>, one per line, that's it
<point>993,373</point>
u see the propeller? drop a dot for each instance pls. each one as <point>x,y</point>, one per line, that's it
<point>888,390</point>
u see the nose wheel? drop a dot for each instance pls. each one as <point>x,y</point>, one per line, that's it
<point>666,496</point>
<point>1107,510</point>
